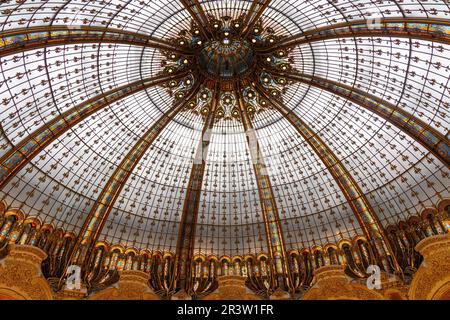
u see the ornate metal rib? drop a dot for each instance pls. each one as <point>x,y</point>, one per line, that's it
<point>186,234</point>
<point>364,213</point>
<point>99,213</point>
<point>256,10</point>
<point>430,138</point>
<point>27,149</point>
<point>19,40</point>
<point>436,30</point>
<point>275,239</point>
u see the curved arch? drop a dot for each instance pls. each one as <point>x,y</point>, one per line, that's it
<point>199,256</point>
<point>356,238</point>
<point>102,244</point>
<point>10,294</point>
<point>48,227</point>
<point>237,257</point>
<point>414,28</point>
<point>118,247</point>
<point>168,254</point>
<point>212,258</point>
<point>428,212</point>
<point>225,258</point>
<point>19,40</point>
<point>343,242</point>
<point>157,254</point>
<point>443,292</point>
<point>145,252</point>
<point>18,213</point>
<point>35,221</point>
<point>70,235</point>
<point>132,250</point>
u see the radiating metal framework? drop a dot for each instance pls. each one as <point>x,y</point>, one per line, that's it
<point>361,207</point>
<point>423,133</point>
<point>17,157</point>
<point>188,224</point>
<point>20,40</point>
<point>274,233</point>
<point>251,18</point>
<point>94,223</point>
<point>436,30</point>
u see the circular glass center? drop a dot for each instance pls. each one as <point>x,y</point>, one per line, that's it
<point>227,58</point>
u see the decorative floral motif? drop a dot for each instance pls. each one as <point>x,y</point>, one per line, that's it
<point>20,272</point>
<point>432,279</point>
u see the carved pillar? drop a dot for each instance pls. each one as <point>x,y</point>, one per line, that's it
<point>21,276</point>
<point>432,279</point>
<point>232,288</point>
<point>132,285</point>
<point>331,283</point>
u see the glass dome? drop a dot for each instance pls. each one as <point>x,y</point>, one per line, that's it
<point>104,111</point>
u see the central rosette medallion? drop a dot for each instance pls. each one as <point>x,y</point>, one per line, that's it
<point>226,58</point>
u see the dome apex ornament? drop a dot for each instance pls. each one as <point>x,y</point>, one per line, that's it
<point>230,59</point>
<point>227,59</point>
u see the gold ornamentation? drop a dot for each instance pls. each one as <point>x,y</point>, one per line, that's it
<point>432,279</point>
<point>21,276</point>
<point>232,288</point>
<point>333,284</point>
<point>132,285</point>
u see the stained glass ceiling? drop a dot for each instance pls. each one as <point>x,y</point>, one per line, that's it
<point>398,175</point>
